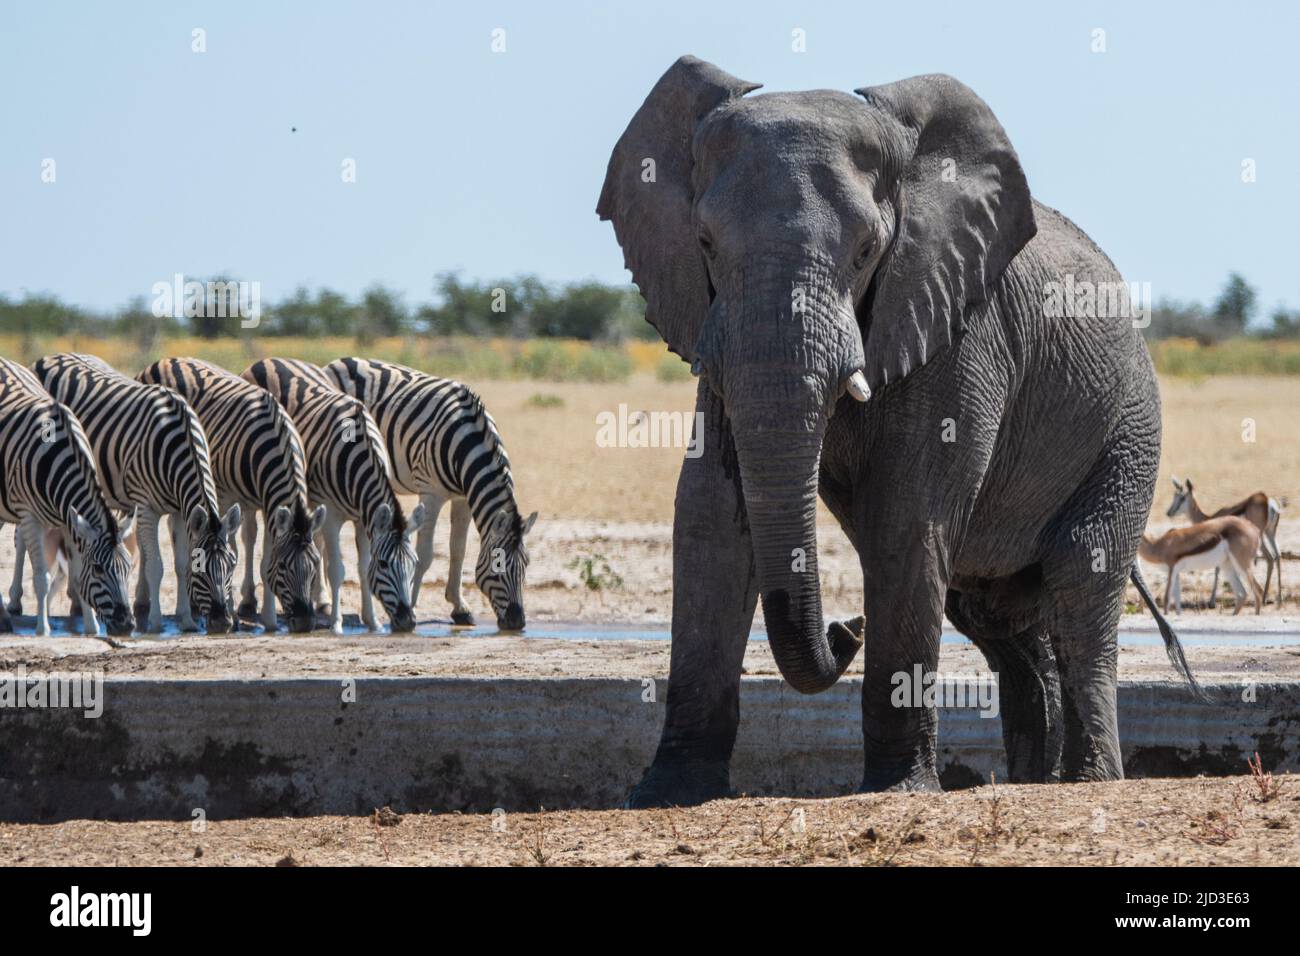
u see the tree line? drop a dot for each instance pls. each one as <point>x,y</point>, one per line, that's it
<point>521,307</point>
<point>525,307</point>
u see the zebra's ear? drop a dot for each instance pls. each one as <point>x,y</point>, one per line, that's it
<point>125,530</point>
<point>417,517</point>
<point>529,521</point>
<point>230,523</point>
<point>317,520</point>
<point>383,520</point>
<point>281,519</point>
<point>80,526</point>
<point>197,525</point>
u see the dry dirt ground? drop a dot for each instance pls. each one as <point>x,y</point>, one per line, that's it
<point>1230,821</point>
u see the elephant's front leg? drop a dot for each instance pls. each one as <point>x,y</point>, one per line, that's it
<point>904,611</point>
<point>714,594</point>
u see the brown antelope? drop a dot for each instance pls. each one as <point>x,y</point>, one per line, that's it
<point>1228,543</point>
<point>1259,509</point>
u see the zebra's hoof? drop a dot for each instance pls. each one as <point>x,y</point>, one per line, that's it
<point>248,609</point>
<point>6,625</point>
<point>15,608</point>
<point>462,618</point>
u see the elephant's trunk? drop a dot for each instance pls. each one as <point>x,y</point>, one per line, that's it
<point>780,369</point>
<point>779,479</point>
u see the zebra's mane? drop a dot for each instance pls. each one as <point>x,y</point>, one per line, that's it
<point>483,418</point>
<point>284,430</point>
<point>369,429</point>
<point>198,448</point>
<point>83,459</point>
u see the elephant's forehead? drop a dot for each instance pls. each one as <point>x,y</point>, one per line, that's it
<point>791,125</point>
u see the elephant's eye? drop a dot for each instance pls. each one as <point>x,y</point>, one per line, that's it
<point>864,254</point>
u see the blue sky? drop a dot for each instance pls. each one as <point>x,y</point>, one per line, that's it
<point>173,161</point>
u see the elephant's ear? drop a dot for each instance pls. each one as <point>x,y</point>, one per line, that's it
<point>647,195</point>
<point>963,213</point>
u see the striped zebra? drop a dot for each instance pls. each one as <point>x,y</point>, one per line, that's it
<point>153,458</point>
<point>445,447</point>
<point>50,481</point>
<point>257,462</point>
<point>348,472</point>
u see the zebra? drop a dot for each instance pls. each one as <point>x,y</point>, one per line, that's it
<point>445,447</point>
<point>152,456</point>
<point>50,481</point>
<point>348,471</point>
<point>257,462</point>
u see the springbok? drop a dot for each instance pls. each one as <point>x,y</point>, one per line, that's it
<point>1228,542</point>
<point>1259,509</point>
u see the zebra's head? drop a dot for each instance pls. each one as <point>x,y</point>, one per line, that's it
<point>295,562</point>
<point>103,568</point>
<point>392,563</point>
<point>502,564</point>
<point>212,565</point>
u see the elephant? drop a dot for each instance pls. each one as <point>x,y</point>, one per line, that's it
<point>863,286</point>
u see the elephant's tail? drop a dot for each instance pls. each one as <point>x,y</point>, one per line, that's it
<point>1172,646</point>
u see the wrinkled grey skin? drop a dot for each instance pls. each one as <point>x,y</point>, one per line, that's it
<point>1023,527</point>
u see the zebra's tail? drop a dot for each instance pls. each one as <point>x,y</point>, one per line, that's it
<point>1172,645</point>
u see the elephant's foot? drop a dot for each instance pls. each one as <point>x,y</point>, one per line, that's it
<point>908,780</point>
<point>462,618</point>
<point>680,785</point>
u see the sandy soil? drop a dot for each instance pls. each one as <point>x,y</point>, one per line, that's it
<point>1138,822</point>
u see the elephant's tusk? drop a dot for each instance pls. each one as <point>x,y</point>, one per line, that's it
<point>858,387</point>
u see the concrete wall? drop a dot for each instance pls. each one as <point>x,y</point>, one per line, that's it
<point>275,747</point>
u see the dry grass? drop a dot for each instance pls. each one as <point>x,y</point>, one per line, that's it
<point>561,471</point>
